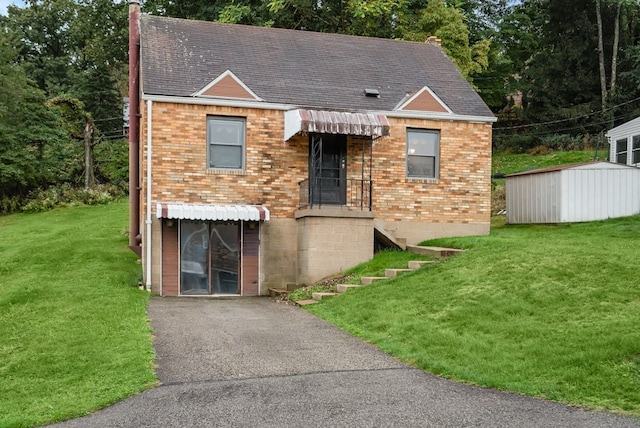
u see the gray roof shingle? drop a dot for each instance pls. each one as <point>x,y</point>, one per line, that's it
<point>307,69</point>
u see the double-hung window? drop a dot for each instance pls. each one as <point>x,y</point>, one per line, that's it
<point>621,151</point>
<point>423,153</point>
<point>226,142</point>
<point>635,155</point>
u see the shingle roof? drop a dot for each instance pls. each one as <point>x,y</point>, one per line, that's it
<point>307,69</point>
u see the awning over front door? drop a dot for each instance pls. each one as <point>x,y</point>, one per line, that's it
<point>212,212</point>
<point>335,122</point>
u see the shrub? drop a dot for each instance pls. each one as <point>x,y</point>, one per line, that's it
<point>64,195</point>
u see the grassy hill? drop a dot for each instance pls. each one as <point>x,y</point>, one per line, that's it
<point>547,311</point>
<point>73,327</point>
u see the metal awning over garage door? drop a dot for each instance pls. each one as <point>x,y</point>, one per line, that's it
<point>212,212</point>
<point>335,122</point>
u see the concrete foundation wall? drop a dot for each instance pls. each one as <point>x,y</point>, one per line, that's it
<point>156,254</point>
<point>278,253</point>
<point>330,241</point>
<point>415,232</point>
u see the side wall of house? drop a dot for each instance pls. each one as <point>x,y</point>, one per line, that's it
<point>457,203</point>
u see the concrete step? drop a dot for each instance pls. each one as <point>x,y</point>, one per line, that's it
<point>307,302</point>
<point>390,273</point>
<point>417,264</point>
<point>319,295</point>
<point>342,288</point>
<point>370,279</point>
<point>433,251</point>
<point>276,292</point>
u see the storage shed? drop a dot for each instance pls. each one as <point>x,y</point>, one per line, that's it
<point>573,193</point>
<point>624,142</point>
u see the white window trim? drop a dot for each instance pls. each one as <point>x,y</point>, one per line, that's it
<point>423,178</point>
<point>243,146</point>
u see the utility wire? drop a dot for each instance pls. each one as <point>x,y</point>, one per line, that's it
<point>551,122</point>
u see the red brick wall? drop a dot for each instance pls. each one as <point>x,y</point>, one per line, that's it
<point>169,259</point>
<point>274,168</point>
<point>462,192</point>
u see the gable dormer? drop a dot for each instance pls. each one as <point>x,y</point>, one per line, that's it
<point>227,85</point>
<point>423,100</point>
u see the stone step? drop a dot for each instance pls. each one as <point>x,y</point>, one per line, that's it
<point>275,292</point>
<point>342,288</point>
<point>390,273</point>
<point>319,295</point>
<point>370,279</point>
<point>433,251</point>
<point>417,264</point>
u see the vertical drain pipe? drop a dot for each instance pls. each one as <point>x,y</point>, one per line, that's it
<point>148,207</point>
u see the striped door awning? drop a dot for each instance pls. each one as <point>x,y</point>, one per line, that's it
<point>212,212</point>
<point>335,122</point>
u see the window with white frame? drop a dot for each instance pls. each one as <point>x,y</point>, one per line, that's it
<point>635,149</point>
<point>423,153</point>
<point>226,142</point>
<point>621,151</point>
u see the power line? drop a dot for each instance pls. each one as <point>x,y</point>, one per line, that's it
<point>551,122</point>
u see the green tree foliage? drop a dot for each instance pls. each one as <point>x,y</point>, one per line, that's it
<point>61,49</point>
<point>552,50</point>
<point>33,148</point>
<point>448,24</point>
<point>76,47</point>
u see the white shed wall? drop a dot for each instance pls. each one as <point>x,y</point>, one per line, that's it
<point>600,194</point>
<point>585,193</point>
<point>534,198</point>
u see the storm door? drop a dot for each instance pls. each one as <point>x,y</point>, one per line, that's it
<point>327,169</point>
<point>209,258</point>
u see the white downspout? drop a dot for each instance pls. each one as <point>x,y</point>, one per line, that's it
<point>148,210</point>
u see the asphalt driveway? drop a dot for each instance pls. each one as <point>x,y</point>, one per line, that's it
<point>250,362</point>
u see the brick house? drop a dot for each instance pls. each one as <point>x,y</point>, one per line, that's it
<point>266,157</point>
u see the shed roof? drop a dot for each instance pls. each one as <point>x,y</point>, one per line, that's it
<point>307,69</point>
<point>581,165</point>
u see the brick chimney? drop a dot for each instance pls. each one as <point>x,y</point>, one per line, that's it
<point>433,40</point>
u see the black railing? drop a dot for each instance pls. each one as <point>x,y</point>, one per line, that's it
<point>352,193</point>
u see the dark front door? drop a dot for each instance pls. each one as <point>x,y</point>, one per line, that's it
<point>327,169</point>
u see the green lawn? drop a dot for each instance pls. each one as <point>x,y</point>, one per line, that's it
<point>547,311</point>
<point>511,163</point>
<point>73,327</point>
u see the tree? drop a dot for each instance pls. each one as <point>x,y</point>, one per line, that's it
<point>32,146</point>
<point>79,125</point>
<point>448,24</point>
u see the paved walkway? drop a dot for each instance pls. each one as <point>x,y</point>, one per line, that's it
<point>255,363</point>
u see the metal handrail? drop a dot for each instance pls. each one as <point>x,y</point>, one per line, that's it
<point>351,192</point>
